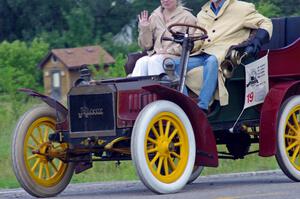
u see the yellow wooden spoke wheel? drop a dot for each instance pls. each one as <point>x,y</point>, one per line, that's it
<point>166,147</point>
<point>288,138</point>
<point>163,147</point>
<point>45,170</point>
<point>37,171</point>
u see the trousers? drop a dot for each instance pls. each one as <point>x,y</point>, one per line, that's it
<point>149,65</point>
<point>210,76</point>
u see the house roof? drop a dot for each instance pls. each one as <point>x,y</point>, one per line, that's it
<point>76,57</point>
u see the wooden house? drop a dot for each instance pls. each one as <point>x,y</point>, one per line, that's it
<point>61,67</point>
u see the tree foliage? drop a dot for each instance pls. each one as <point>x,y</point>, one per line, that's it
<point>85,22</point>
<point>116,70</point>
<point>268,9</point>
<point>18,65</point>
<point>28,28</point>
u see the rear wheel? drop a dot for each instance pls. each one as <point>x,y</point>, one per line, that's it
<point>39,174</point>
<point>288,138</point>
<point>163,147</point>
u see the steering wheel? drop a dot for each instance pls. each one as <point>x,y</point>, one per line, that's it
<point>191,36</point>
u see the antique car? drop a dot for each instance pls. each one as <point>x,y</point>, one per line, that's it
<point>149,121</point>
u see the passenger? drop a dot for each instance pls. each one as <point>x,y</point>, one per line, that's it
<point>228,22</point>
<point>151,31</point>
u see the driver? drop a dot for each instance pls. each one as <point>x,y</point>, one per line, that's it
<point>151,31</point>
<point>228,22</point>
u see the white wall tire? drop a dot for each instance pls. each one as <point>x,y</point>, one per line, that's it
<point>197,170</point>
<point>288,138</point>
<point>163,147</point>
<point>38,175</point>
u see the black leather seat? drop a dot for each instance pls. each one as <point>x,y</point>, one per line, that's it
<point>278,37</point>
<point>286,30</point>
<point>131,60</point>
<point>292,29</point>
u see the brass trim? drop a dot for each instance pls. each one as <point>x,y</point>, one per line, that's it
<point>110,146</point>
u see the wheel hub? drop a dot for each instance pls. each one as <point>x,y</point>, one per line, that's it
<point>43,151</point>
<point>163,147</point>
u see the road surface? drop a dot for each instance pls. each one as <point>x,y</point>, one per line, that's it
<point>253,185</point>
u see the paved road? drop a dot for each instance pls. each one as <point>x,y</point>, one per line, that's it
<point>260,185</point>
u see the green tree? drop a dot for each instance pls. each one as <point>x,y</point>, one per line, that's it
<point>80,25</point>
<point>115,70</point>
<point>24,19</point>
<point>268,9</point>
<point>18,69</point>
<point>109,15</point>
<point>18,65</point>
<point>72,23</point>
<point>27,19</point>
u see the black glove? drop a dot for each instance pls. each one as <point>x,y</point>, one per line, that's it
<point>254,45</point>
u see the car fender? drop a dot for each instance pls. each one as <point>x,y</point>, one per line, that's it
<point>206,147</point>
<point>61,109</point>
<point>269,115</point>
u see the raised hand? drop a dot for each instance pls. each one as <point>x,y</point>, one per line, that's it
<point>144,18</point>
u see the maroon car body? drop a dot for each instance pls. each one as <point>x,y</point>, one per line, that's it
<point>119,119</point>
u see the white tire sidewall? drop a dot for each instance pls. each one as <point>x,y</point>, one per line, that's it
<point>292,102</point>
<point>138,150</point>
<point>18,160</point>
<point>195,174</point>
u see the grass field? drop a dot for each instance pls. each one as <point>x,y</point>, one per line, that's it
<point>102,171</point>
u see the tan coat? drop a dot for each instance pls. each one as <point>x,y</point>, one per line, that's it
<point>231,26</point>
<point>150,36</point>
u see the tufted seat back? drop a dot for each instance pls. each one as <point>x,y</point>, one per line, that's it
<point>286,30</point>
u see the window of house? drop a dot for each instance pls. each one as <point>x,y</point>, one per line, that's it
<point>53,59</point>
<point>56,80</point>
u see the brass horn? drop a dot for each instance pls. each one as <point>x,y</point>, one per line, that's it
<point>229,64</point>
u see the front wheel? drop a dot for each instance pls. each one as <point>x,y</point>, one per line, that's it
<point>197,170</point>
<point>288,138</point>
<point>163,147</point>
<point>39,174</point>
